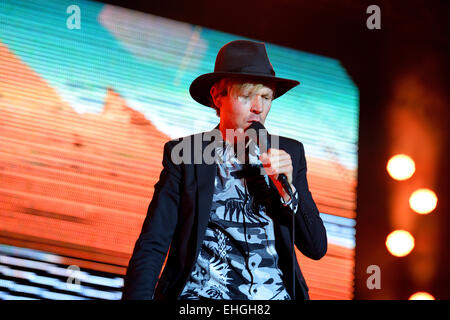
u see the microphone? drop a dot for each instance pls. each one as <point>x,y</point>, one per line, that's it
<point>262,132</point>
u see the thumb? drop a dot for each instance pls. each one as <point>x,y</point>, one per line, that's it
<point>263,157</point>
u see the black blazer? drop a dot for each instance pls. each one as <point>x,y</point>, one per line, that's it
<point>178,215</point>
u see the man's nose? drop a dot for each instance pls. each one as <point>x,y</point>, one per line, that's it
<point>257,105</point>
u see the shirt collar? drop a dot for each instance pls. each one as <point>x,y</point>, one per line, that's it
<point>225,152</point>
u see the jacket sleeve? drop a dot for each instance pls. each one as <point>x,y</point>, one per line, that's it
<point>310,233</point>
<point>156,235</point>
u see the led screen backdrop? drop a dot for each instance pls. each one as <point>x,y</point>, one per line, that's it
<point>84,114</point>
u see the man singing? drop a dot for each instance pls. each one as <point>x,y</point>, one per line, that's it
<point>228,230</point>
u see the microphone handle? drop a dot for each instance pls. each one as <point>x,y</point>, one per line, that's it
<point>285,183</point>
<point>281,177</point>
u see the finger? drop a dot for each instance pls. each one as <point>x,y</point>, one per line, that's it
<point>270,170</point>
<point>279,165</point>
<point>276,169</point>
<point>277,151</point>
<point>286,169</point>
<point>264,158</point>
<point>281,162</point>
<point>283,168</point>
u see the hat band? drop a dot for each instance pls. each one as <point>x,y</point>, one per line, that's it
<point>250,69</point>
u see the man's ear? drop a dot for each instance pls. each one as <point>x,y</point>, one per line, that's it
<point>215,96</point>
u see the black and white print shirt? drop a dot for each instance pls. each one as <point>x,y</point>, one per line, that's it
<point>237,259</point>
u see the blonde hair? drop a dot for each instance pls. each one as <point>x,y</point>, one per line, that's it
<point>227,86</point>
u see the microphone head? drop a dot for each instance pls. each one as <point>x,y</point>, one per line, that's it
<point>256,126</point>
<point>259,134</point>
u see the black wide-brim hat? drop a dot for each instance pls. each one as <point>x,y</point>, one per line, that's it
<point>241,59</point>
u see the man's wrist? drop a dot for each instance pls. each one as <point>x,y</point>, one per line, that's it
<point>285,196</point>
<point>286,200</point>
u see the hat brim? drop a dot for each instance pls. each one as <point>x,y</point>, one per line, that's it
<point>201,86</point>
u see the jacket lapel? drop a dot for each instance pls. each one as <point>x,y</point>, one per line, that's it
<point>205,175</point>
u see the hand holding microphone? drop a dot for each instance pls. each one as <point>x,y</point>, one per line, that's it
<point>278,166</point>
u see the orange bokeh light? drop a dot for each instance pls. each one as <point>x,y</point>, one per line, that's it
<point>421,296</point>
<point>400,243</point>
<point>401,167</point>
<point>423,201</point>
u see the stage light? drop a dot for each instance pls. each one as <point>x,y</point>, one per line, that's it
<point>401,167</point>
<point>423,201</point>
<point>421,296</point>
<point>400,243</point>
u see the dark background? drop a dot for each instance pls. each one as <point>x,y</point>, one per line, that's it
<point>413,39</point>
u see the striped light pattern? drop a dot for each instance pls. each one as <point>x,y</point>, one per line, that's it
<point>84,114</point>
<point>31,274</point>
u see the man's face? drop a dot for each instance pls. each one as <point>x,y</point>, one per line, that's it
<point>244,104</point>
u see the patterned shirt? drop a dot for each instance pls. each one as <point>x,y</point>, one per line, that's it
<point>237,259</point>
